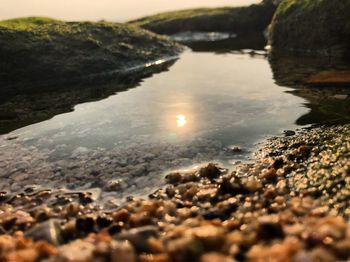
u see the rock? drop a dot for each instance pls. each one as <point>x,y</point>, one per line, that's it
<point>138,237</point>
<point>115,184</point>
<point>235,149</point>
<point>215,257</point>
<point>78,250</point>
<point>253,185</point>
<point>94,49</point>
<point>242,20</point>
<point>211,237</point>
<point>122,251</point>
<point>293,27</point>
<point>49,231</point>
<point>184,249</point>
<point>269,228</point>
<point>84,225</point>
<point>289,132</point>
<point>280,251</point>
<point>79,151</point>
<point>211,171</point>
<point>231,186</point>
<point>21,166</point>
<point>173,178</point>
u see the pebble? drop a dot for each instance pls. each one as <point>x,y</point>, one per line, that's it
<point>268,210</point>
<point>139,237</point>
<point>49,231</point>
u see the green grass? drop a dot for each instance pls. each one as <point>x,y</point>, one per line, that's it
<point>28,23</point>
<point>182,14</point>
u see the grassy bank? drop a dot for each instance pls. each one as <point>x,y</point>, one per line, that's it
<point>42,50</point>
<point>240,20</point>
<point>319,27</point>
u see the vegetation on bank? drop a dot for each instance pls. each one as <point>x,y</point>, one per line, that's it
<point>241,20</point>
<point>315,26</point>
<point>36,49</point>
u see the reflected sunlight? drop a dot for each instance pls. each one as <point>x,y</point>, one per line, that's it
<point>181,120</point>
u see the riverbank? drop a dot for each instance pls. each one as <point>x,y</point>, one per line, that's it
<point>42,54</point>
<point>247,20</point>
<point>291,203</point>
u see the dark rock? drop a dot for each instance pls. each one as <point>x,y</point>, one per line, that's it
<point>94,49</point>
<point>85,225</point>
<point>289,132</point>
<point>211,171</point>
<point>318,27</point>
<point>253,19</point>
<point>231,186</point>
<point>138,237</point>
<point>269,230</point>
<point>115,228</point>
<point>278,163</point>
<point>103,222</point>
<point>49,231</point>
<point>173,178</point>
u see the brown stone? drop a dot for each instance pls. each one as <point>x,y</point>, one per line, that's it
<point>332,77</point>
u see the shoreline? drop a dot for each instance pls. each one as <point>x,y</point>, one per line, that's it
<point>284,206</point>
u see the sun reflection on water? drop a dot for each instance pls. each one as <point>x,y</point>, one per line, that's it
<point>181,120</point>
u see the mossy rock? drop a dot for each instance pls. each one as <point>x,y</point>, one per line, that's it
<point>36,50</point>
<point>313,26</point>
<point>240,20</point>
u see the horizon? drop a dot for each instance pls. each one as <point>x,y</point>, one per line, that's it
<point>111,10</point>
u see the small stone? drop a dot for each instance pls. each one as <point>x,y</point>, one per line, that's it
<point>184,249</point>
<point>253,185</point>
<point>173,178</point>
<point>269,228</point>
<point>289,132</point>
<point>215,257</point>
<point>78,250</point>
<point>49,231</point>
<point>139,237</point>
<point>211,171</point>
<point>212,237</point>
<point>231,186</point>
<point>122,251</point>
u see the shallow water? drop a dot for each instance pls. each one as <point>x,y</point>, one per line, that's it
<point>230,98</point>
<point>205,107</point>
<point>199,110</point>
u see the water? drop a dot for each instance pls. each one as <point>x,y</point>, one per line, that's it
<point>231,98</point>
<point>199,110</point>
<point>112,10</point>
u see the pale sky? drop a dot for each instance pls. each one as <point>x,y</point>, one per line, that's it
<point>112,10</point>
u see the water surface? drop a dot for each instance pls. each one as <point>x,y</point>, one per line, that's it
<point>231,98</point>
<point>201,109</point>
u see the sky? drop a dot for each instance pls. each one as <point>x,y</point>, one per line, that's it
<point>112,10</point>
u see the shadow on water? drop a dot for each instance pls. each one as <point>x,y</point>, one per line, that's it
<point>251,41</point>
<point>328,104</point>
<point>32,106</point>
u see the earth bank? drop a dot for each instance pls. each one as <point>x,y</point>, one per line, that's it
<point>317,27</point>
<point>38,53</point>
<point>242,20</point>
